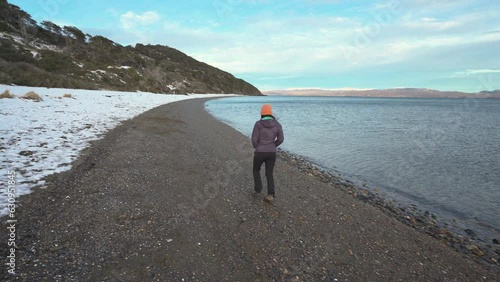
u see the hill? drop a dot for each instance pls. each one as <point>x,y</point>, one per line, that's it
<point>396,93</point>
<point>48,55</point>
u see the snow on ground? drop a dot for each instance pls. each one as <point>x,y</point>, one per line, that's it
<point>121,67</point>
<point>78,64</point>
<point>16,38</point>
<point>41,138</point>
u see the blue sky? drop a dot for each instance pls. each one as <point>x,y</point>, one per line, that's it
<point>439,44</point>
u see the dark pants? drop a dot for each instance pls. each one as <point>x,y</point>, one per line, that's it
<point>258,159</point>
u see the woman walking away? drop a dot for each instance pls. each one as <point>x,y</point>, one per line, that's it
<point>266,136</point>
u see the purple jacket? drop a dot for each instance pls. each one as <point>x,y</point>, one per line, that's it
<point>267,135</point>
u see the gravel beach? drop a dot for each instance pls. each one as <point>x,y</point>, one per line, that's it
<point>168,196</point>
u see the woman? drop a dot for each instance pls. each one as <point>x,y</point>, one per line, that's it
<point>266,136</point>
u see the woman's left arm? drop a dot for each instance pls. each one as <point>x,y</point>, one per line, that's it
<point>280,137</point>
<point>255,136</point>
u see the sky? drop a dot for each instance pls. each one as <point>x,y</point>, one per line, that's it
<point>288,44</point>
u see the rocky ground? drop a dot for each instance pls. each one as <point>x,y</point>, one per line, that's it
<point>472,246</point>
<point>168,196</point>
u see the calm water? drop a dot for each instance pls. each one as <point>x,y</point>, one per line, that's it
<point>441,154</point>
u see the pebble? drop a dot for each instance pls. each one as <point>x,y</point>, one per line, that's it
<point>470,232</point>
<point>475,250</point>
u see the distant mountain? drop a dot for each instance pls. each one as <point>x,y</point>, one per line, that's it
<point>396,92</point>
<point>48,55</point>
<point>494,92</point>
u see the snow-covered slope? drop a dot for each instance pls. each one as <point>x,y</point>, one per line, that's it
<point>41,138</point>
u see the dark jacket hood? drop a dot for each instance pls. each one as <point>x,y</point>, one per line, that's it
<point>269,123</point>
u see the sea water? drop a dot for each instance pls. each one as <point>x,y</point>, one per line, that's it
<point>442,155</point>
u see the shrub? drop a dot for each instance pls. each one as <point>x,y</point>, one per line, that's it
<point>68,95</point>
<point>6,95</point>
<point>56,63</point>
<point>32,96</point>
<point>11,53</point>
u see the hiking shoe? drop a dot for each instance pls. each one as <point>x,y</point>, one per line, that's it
<point>269,198</point>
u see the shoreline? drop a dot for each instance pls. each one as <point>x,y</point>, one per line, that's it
<point>423,221</point>
<point>175,182</point>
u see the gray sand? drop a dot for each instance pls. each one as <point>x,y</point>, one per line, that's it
<point>168,196</point>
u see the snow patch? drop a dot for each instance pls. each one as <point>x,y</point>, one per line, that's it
<point>44,46</point>
<point>176,85</point>
<point>78,64</point>
<point>16,38</point>
<point>121,67</point>
<point>41,138</point>
<point>98,73</point>
<point>36,44</point>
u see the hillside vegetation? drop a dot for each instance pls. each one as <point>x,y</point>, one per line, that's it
<point>48,55</point>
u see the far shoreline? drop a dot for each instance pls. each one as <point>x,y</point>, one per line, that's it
<point>384,93</point>
<point>381,97</point>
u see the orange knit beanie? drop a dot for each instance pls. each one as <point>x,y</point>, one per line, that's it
<point>266,110</point>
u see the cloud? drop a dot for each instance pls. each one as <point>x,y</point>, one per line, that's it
<point>437,6</point>
<point>327,45</point>
<point>130,19</point>
<point>277,77</point>
<point>433,24</point>
<point>475,72</point>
